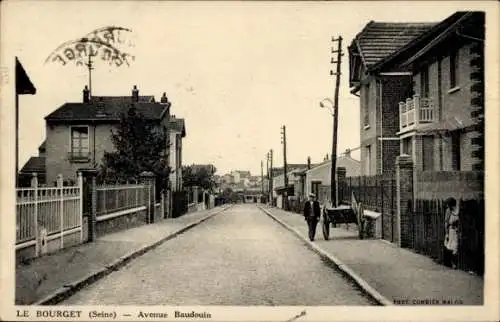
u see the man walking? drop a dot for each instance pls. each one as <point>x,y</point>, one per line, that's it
<point>311,214</point>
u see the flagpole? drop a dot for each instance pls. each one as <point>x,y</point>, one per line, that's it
<point>23,87</point>
<point>17,138</point>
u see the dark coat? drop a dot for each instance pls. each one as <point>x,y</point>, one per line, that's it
<point>316,207</point>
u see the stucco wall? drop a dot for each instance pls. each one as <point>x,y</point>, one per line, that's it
<point>172,158</point>
<point>58,146</point>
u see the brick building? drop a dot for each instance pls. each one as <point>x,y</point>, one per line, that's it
<point>442,122</point>
<point>421,89</point>
<point>380,88</point>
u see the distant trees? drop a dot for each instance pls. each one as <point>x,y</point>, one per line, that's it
<point>199,175</point>
<point>229,195</point>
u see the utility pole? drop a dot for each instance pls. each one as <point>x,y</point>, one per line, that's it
<point>333,188</point>
<point>267,174</point>
<point>262,178</point>
<point>285,172</point>
<point>271,176</point>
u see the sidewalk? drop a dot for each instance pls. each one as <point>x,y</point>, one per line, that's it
<point>395,273</point>
<point>55,276</point>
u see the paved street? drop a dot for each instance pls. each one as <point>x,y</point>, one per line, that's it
<point>239,257</point>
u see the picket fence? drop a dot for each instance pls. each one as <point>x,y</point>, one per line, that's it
<point>44,214</point>
<point>427,232</point>
<point>48,213</point>
<point>118,200</point>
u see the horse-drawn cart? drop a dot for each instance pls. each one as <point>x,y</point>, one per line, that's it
<point>344,214</point>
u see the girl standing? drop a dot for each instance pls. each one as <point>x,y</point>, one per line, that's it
<point>452,233</point>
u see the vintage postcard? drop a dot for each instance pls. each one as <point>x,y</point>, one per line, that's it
<point>249,161</point>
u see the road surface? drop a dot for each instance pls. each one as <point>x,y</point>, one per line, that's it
<point>239,257</point>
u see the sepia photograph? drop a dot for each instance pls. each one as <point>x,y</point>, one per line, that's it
<point>249,160</point>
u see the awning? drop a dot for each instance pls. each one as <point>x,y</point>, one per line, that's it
<point>460,119</point>
<point>290,190</point>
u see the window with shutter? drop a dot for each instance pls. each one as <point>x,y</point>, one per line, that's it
<point>366,105</point>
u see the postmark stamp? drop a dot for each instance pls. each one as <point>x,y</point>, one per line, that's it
<point>4,76</point>
<point>109,44</point>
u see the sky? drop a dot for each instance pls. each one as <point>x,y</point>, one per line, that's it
<point>236,72</point>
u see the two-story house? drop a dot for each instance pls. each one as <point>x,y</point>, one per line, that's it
<point>442,123</point>
<point>78,134</point>
<point>177,132</point>
<point>380,89</point>
<point>428,100</point>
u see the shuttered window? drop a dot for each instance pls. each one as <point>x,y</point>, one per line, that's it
<point>80,141</point>
<point>366,104</point>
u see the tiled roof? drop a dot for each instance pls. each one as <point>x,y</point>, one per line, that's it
<point>105,111</point>
<point>34,164</point>
<point>108,99</point>
<point>178,125</point>
<point>42,146</point>
<point>468,22</point>
<point>380,39</point>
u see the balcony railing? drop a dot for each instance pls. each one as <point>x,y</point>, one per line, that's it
<point>415,111</point>
<point>79,156</point>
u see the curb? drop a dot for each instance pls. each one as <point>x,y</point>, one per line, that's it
<point>71,288</point>
<point>379,298</point>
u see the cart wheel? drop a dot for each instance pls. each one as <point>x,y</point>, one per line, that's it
<point>326,229</point>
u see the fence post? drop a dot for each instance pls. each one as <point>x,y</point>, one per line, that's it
<point>136,196</point>
<point>148,179</point>
<point>404,195</point>
<point>34,185</point>
<point>382,195</point>
<point>89,174</point>
<point>170,203</point>
<point>195,195</point>
<point>60,184</point>
<point>341,181</point>
<point>162,204</point>
<point>80,192</point>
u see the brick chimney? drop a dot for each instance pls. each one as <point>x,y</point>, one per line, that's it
<point>135,94</point>
<point>308,163</point>
<point>86,95</point>
<point>164,98</point>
